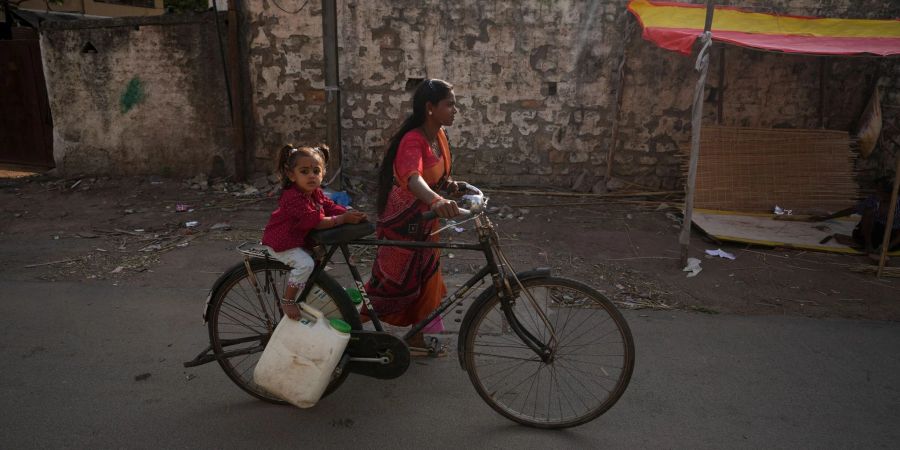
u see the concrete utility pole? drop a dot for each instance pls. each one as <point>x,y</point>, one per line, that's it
<point>697,118</point>
<point>332,91</point>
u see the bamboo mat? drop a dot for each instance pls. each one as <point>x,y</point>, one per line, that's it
<point>755,169</point>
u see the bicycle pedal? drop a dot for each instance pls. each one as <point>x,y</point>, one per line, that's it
<point>428,352</point>
<point>435,348</point>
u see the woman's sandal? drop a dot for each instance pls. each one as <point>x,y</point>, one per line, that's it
<point>434,350</point>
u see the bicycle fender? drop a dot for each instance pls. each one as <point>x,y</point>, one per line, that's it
<point>485,295</point>
<point>218,284</point>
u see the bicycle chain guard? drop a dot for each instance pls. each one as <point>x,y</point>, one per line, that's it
<point>377,344</point>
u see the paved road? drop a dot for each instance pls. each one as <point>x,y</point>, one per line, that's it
<point>78,354</point>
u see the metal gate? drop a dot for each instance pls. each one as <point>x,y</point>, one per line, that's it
<point>26,128</point>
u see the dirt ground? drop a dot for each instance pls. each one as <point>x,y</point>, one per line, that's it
<point>100,230</point>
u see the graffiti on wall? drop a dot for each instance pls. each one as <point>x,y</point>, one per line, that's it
<point>134,94</point>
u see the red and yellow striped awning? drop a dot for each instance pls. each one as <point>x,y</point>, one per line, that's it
<point>676,26</point>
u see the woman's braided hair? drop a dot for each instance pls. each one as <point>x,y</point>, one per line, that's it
<point>429,91</point>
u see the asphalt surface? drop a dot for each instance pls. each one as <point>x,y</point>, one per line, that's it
<point>99,365</point>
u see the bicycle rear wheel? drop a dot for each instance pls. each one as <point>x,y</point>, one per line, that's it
<point>241,323</point>
<point>588,372</point>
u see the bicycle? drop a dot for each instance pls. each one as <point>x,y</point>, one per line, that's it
<point>543,351</point>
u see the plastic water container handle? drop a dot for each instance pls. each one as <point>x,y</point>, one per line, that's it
<point>313,312</point>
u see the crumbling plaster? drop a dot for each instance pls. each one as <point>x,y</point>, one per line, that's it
<point>536,83</point>
<point>503,58</point>
<point>137,96</point>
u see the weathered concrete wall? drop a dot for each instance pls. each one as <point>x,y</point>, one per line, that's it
<point>286,76</point>
<point>533,81</point>
<point>504,59</point>
<point>507,59</point>
<point>536,83</point>
<point>94,8</point>
<point>138,96</point>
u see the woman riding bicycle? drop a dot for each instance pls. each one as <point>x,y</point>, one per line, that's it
<point>406,283</point>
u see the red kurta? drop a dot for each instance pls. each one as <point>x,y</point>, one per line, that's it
<point>296,216</point>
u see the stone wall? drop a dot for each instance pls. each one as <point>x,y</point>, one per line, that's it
<point>138,96</point>
<point>536,82</point>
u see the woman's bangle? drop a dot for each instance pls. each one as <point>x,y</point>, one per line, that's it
<point>285,301</point>
<point>435,200</point>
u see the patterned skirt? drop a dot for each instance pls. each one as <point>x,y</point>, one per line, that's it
<point>406,283</point>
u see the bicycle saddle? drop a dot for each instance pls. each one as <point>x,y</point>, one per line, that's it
<point>343,233</point>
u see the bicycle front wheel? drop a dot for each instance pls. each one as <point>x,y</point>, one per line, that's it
<point>241,322</point>
<point>587,373</point>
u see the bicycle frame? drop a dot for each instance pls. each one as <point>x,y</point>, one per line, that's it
<point>492,319</point>
<point>487,244</point>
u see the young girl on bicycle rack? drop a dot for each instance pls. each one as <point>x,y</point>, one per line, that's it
<point>302,207</point>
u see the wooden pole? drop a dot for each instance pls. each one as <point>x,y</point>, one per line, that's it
<point>332,91</point>
<point>823,68</point>
<point>234,88</point>
<point>697,117</point>
<point>885,241</point>
<point>720,99</point>
<point>620,86</point>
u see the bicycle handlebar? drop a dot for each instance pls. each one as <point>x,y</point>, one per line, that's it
<point>471,194</point>
<point>428,215</point>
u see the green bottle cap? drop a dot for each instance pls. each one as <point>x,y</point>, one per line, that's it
<point>355,295</point>
<point>340,325</point>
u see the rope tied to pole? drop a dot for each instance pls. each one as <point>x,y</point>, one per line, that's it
<point>703,56</point>
<point>702,66</point>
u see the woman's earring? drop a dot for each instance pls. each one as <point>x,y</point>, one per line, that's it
<point>429,113</point>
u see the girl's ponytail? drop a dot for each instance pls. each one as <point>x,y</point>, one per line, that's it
<point>281,167</point>
<point>323,151</point>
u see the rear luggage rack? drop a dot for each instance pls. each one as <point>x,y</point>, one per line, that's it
<point>254,250</point>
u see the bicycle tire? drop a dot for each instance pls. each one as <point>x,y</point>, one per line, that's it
<point>235,313</point>
<point>489,343</point>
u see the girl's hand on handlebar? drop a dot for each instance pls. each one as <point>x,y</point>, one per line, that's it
<point>354,216</point>
<point>445,208</point>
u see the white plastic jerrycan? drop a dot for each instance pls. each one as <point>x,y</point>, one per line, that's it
<point>300,358</point>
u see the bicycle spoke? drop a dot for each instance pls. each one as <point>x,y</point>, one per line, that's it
<point>605,375</point>
<point>589,330</point>
<point>248,327</point>
<point>510,336</point>
<point>243,319</point>
<point>521,346</point>
<point>562,394</point>
<point>504,370</point>
<point>534,379</point>
<point>534,359</point>
<point>252,302</point>
<point>577,397</point>
<point>244,313</point>
<point>595,343</point>
<point>517,384</point>
<point>586,373</point>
